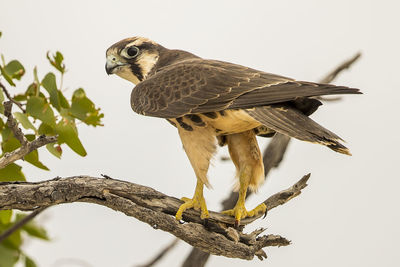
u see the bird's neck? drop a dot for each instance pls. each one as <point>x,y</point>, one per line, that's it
<point>168,57</point>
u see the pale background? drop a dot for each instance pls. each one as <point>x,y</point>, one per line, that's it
<point>348,216</point>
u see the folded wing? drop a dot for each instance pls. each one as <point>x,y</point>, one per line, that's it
<point>198,86</point>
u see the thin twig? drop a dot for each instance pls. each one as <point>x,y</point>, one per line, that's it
<point>150,206</point>
<point>13,125</point>
<point>20,223</point>
<point>332,75</point>
<point>161,254</point>
<point>196,257</point>
<point>11,99</point>
<point>345,65</point>
<point>21,152</point>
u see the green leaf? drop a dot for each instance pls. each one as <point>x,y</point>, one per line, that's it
<point>6,76</point>
<point>6,133</point>
<point>2,124</point>
<point>1,102</point>
<point>1,96</point>
<point>20,97</point>
<point>23,119</point>
<point>10,144</point>
<point>78,93</point>
<point>36,82</point>
<point>31,91</point>
<point>30,137</point>
<point>66,114</point>
<point>63,101</point>
<point>5,216</point>
<point>56,60</point>
<point>29,262</point>
<point>84,109</point>
<point>39,109</point>
<point>36,231</point>
<point>14,240</point>
<point>46,129</point>
<point>8,257</point>
<point>33,158</point>
<point>68,134</point>
<point>80,108</point>
<point>55,150</point>
<point>49,83</point>
<point>11,172</point>
<point>32,229</point>
<point>14,69</point>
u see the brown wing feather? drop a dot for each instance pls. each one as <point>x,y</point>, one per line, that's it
<point>287,92</point>
<point>289,121</point>
<point>198,86</point>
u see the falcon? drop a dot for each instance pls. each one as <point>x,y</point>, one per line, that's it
<point>213,102</point>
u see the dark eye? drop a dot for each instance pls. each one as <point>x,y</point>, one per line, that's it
<point>132,51</point>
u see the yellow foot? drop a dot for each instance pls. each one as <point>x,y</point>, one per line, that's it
<point>240,212</point>
<point>197,203</point>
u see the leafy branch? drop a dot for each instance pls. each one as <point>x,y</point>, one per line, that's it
<point>49,119</point>
<point>26,146</point>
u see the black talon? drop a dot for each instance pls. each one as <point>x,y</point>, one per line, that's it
<point>205,222</point>
<point>236,224</point>
<point>181,221</point>
<point>265,213</point>
<point>106,176</point>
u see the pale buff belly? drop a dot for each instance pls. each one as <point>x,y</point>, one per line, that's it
<point>233,121</point>
<point>222,122</point>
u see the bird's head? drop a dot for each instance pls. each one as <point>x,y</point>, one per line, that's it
<point>132,58</point>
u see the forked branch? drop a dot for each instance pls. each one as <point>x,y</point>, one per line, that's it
<point>216,235</point>
<point>26,146</point>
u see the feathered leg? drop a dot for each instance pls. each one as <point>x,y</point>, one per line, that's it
<point>199,146</point>
<point>247,158</point>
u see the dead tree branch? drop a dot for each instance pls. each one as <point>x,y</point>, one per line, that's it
<point>215,236</point>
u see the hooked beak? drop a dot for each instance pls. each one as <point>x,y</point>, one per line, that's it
<point>112,64</point>
<point>109,69</point>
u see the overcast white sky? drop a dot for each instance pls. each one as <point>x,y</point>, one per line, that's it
<point>348,216</point>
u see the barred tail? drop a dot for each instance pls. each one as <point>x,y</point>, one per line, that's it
<point>291,122</point>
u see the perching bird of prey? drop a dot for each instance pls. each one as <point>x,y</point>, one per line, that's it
<point>210,101</point>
